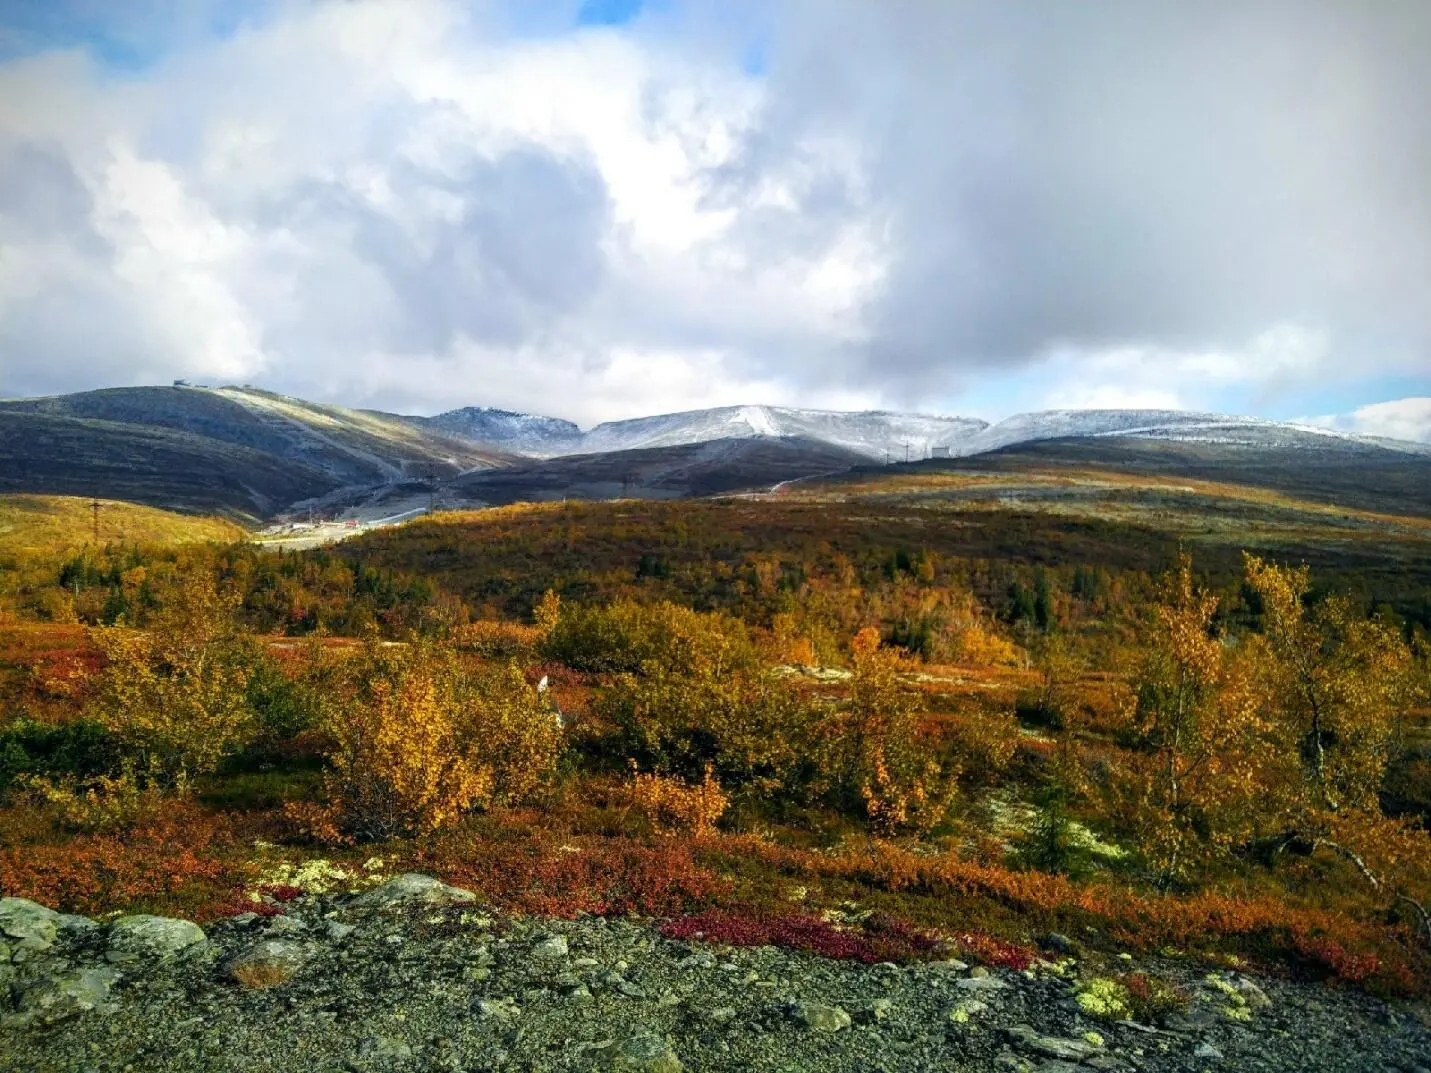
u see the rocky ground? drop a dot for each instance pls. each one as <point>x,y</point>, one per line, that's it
<point>414,976</point>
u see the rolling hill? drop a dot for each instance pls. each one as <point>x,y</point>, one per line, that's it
<point>240,450</point>
<point>55,523</point>
<point>257,454</point>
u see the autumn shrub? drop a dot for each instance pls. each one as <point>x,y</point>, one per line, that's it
<point>983,738</point>
<point>1152,999</point>
<point>175,694</point>
<point>181,863</point>
<point>102,803</point>
<point>674,805</point>
<point>1199,780</point>
<point>539,871</point>
<point>415,739</point>
<point>874,757</point>
<point>498,639</point>
<point>748,727</point>
<point>626,636</point>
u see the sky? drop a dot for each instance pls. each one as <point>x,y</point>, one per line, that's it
<point>598,209</point>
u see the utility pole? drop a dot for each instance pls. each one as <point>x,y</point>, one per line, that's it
<point>94,514</point>
<point>906,452</point>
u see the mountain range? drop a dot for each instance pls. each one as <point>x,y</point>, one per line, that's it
<point>256,454</point>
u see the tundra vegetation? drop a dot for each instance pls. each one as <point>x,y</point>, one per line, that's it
<point>743,716</point>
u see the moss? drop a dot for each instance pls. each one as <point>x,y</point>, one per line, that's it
<point>1103,998</point>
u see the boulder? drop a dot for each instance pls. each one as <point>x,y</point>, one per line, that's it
<point>268,964</point>
<point>981,983</point>
<point>58,996</point>
<point>820,1017</point>
<point>554,946</point>
<point>135,939</point>
<point>1056,1047</point>
<point>412,889</point>
<point>28,925</point>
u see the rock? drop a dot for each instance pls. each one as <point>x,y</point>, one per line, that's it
<point>1057,943</point>
<point>1206,1050</point>
<point>552,947</point>
<point>281,926</point>
<point>62,995</point>
<point>646,1053</point>
<point>502,1009</point>
<point>413,888</point>
<point>134,939</point>
<point>1067,1050</point>
<point>1253,995</point>
<point>820,1017</point>
<point>978,972</point>
<point>383,1049</point>
<point>28,925</point>
<point>337,931</point>
<point>949,965</point>
<point>268,964</point>
<point>876,1012</point>
<point>981,983</point>
<point>78,925</point>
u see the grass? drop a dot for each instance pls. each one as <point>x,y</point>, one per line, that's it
<point>39,524</point>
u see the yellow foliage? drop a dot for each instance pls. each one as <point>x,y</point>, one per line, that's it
<point>874,751</point>
<point>1337,681</point>
<point>175,693</point>
<point>103,803</point>
<point>415,741</point>
<point>1196,785</point>
<point>497,639</point>
<point>675,805</point>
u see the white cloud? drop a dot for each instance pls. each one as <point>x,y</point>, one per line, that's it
<point>382,194</point>
<point>401,203</point>
<point>1399,419</point>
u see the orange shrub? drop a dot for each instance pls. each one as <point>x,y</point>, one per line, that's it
<point>497,639</point>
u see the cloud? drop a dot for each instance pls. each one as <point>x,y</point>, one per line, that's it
<point>426,204</point>
<point>1400,419</point>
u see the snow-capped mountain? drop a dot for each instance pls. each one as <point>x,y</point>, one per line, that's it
<point>1176,425</point>
<point>880,434</point>
<point>506,430</point>
<point>874,434</point>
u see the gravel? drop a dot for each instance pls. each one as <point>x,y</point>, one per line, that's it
<point>415,976</point>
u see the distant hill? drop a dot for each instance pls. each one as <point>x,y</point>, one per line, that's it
<point>693,469</point>
<point>1349,472</point>
<point>256,454</point>
<point>241,450</point>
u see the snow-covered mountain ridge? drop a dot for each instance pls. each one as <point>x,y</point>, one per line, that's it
<point>881,434</point>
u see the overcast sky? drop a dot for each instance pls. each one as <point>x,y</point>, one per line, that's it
<point>602,210</point>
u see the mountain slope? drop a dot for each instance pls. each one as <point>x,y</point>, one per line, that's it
<point>1346,471</point>
<point>689,469</point>
<point>1167,425</point>
<point>872,434</point>
<point>55,523</point>
<point>237,449</point>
